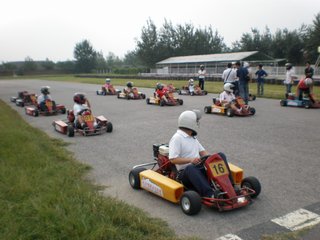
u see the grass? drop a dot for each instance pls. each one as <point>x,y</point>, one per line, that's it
<point>270,90</point>
<point>44,194</point>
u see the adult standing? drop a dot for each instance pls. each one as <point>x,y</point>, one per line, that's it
<point>308,71</point>
<point>229,75</point>
<point>243,75</point>
<point>288,82</point>
<point>201,76</point>
<point>261,74</point>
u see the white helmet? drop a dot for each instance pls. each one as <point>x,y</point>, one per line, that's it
<point>108,80</point>
<point>190,120</point>
<point>228,87</point>
<point>308,82</point>
<point>191,81</point>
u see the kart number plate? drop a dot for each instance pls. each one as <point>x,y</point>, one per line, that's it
<point>88,118</point>
<point>218,168</point>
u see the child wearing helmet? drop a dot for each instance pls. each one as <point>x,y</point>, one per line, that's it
<point>107,87</point>
<point>227,97</point>
<point>304,86</point>
<point>81,103</point>
<point>161,92</point>
<point>191,86</point>
<point>185,152</point>
<point>129,89</point>
<point>45,95</point>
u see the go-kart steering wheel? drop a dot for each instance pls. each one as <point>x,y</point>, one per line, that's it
<point>83,110</point>
<point>202,160</point>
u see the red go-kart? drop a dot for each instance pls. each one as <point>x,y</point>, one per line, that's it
<point>92,125</point>
<point>231,190</point>
<point>48,109</point>
<point>24,99</point>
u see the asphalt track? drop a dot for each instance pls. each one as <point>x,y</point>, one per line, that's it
<point>279,146</point>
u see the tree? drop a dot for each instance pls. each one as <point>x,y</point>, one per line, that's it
<point>101,64</point>
<point>48,65</point>
<point>313,40</point>
<point>29,65</point>
<point>85,57</point>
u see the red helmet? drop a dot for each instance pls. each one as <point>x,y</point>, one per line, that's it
<point>79,98</point>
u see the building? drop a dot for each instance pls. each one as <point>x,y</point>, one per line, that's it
<point>214,63</point>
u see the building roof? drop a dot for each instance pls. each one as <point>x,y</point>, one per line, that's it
<point>219,57</point>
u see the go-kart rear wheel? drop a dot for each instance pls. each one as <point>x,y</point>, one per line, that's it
<point>143,96</point>
<point>207,109</point>
<point>179,91</point>
<point>162,102</point>
<point>229,112</point>
<point>134,177</point>
<point>180,101</point>
<point>252,183</point>
<point>35,113</point>
<point>63,111</point>
<point>148,100</point>
<point>252,110</point>
<point>283,103</point>
<point>307,105</point>
<point>204,92</point>
<point>70,131</point>
<point>109,127</point>
<point>190,202</point>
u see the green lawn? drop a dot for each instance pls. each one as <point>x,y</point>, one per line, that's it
<point>270,90</point>
<point>44,194</point>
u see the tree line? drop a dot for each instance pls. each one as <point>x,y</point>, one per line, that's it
<point>296,46</point>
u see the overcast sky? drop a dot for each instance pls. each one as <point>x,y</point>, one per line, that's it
<point>44,29</point>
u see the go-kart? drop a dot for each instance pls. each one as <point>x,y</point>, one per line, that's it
<point>171,100</point>
<point>171,88</point>
<point>134,94</point>
<point>192,91</point>
<point>230,189</point>
<point>307,101</point>
<point>252,97</point>
<point>49,108</point>
<point>217,108</point>
<point>108,91</point>
<point>70,127</point>
<point>24,98</point>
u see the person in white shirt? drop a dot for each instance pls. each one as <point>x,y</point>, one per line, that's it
<point>45,95</point>
<point>81,103</point>
<point>288,82</point>
<point>185,152</point>
<point>227,98</point>
<point>201,76</point>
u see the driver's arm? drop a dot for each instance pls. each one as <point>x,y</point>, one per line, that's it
<point>203,153</point>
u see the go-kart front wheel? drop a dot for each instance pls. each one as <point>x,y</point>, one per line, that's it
<point>180,101</point>
<point>190,202</point>
<point>109,127</point>
<point>134,177</point>
<point>252,110</point>
<point>229,112</point>
<point>252,183</point>
<point>207,109</point>
<point>70,130</point>
<point>283,103</point>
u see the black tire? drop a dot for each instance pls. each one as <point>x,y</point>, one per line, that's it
<point>252,110</point>
<point>190,202</point>
<point>162,102</point>
<point>109,127</point>
<point>36,113</point>
<point>307,105</point>
<point>283,103</point>
<point>207,109</point>
<point>148,100</point>
<point>70,131</point>
<point>134,177</point>
<point>180,101</point>
<point>205,92</point>
<point>252,183</point>
<point>214,100</point>
<point>143,95</point>
<point>229,112</point>
<point>118,96</point>
<point>192,93</point>
<point>63,111</point>
<point>179,92</point>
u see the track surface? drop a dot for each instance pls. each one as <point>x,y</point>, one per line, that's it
<point>279,145</point>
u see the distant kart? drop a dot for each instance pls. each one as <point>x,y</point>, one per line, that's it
<point>50,108</point>
<point>135,94</point>
<point>24,98</point>
<point>231,189</point>
<point>69,126</point>
<point>171,100</point>
<point>252,97</point>
<point>217,108</point>
<point>306,102</point>
<point>171,88</point>
<point>195,91</point>
<point>110,91</point>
